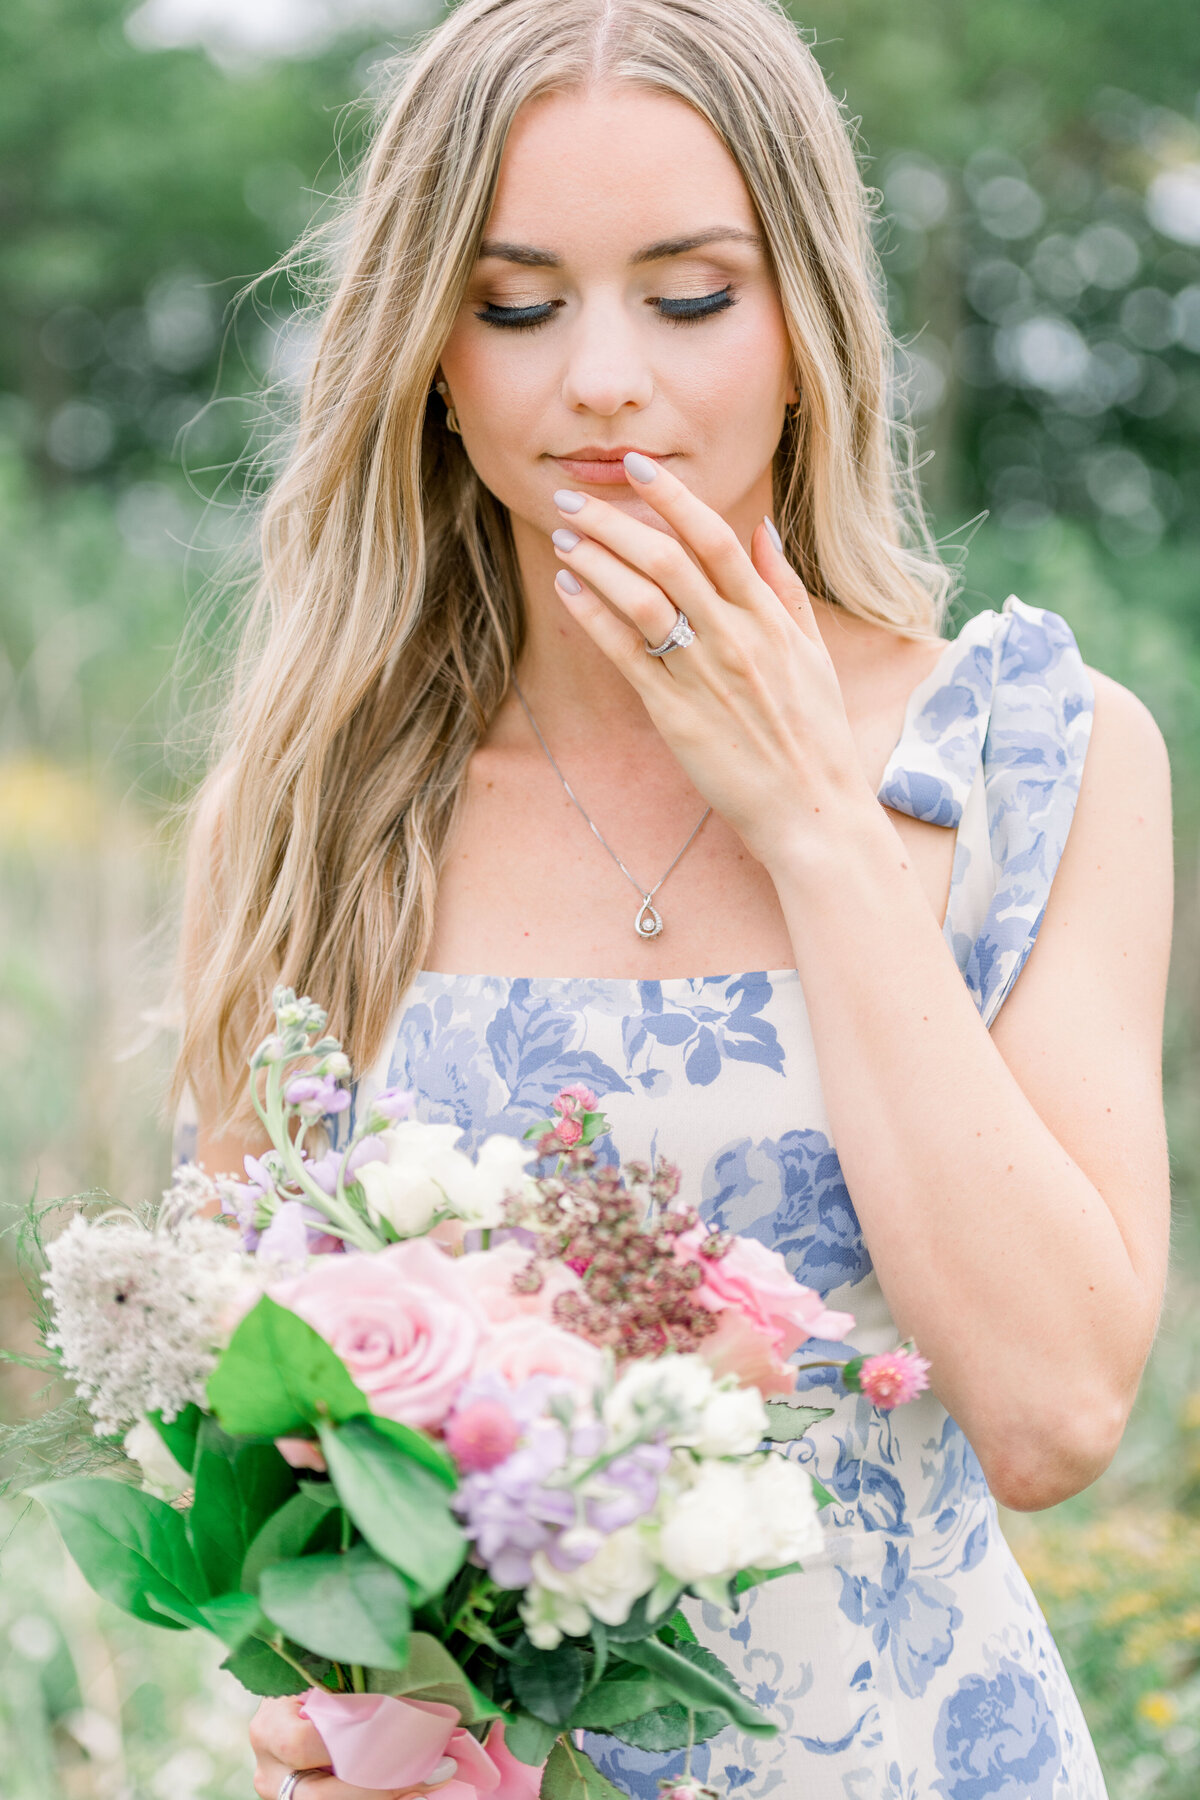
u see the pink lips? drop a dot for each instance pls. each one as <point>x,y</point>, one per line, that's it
<point>597,466</point>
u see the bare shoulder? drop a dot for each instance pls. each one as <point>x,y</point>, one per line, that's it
<point>1126,782</point>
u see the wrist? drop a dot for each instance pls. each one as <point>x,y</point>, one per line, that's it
<point>812,856</point>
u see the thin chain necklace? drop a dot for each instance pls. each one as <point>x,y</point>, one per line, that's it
<point>648,922</point>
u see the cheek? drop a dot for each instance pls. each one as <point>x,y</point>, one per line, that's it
<point>500,398</point>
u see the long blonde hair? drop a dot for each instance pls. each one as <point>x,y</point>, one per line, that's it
<point>387,617</point>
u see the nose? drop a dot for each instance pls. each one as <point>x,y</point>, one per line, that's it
<point>606,368</point>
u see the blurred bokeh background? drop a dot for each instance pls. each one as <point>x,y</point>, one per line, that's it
<point>1040,172</point>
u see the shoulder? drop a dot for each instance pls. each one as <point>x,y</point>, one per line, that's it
<point>1123,815</point>
<point>1125,733</point>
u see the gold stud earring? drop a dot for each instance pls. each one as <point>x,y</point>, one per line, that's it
<point>452,423</point>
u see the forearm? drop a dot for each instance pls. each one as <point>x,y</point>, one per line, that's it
<point>993,1248</point>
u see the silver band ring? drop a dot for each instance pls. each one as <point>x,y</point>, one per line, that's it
<point>678,638</point>
<point>292,1780</point>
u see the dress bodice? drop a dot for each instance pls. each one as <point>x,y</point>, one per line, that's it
<point>719,1074</point>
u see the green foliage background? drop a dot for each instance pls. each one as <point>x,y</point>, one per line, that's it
<point>1040,172</point>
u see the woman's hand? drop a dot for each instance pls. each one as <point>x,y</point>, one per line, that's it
<point>752,709</point>
<point>283,1739</point>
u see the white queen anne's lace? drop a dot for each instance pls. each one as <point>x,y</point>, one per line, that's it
<point>140,1315</point>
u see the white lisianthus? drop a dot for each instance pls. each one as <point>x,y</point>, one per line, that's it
<point>161,1474</point>
<point>413,1184</point>
<point>681,1397</point>
<point>606,1587</point>
<point>483,1186</point>
<point>423,1175</point>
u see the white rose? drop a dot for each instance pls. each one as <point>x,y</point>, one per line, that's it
<point>734,1423</point>
<point>161,1474</point>
<point>784,1510</point>
<point>413,1184</point>
<point>706,1532</point>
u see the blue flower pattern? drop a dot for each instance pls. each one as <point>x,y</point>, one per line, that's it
<point>910,1659</point>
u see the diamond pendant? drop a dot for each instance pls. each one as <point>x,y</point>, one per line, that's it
<point>648,924</point>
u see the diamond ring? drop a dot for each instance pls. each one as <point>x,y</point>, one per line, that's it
<point>678,638</point>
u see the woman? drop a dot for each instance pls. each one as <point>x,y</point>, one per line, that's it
<point>604,354</point>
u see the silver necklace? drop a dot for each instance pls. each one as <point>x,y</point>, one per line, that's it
<point>648,922</point>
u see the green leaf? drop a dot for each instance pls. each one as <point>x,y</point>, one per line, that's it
<point>548,1683</point>
<point>239,1485</point>
<point>680,1626</point>
<point>300,1524</point>
<point>431,1673</point>
<point>422,1449</point>
<point>756,1577</point>
<point>234,1618</point>
<point>130,1546</point>
<point>687,1672</point>
<point>623,1696</point>
<point>790,1422</point>
<point>400,1508</point>
<point>572,1775</point>
<point>851,1372</point>
<point>821,1493</point>
<point>529,1740</point>
<point>179,1434</point>
<point>640,1623</point>
<point>279,1375</point>
<point>261,1671</point>
<point>351,1607</point>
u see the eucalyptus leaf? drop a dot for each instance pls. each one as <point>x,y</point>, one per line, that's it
<point>278,1376</point>
<point>239,1484</point>
<point>131,1547</point>
<point>352,1607</point>
<point>431,1673</point>
<point>401,1509</point>
<point>570,1774</point>
<point>300,1524</point>
<point>179,1434</point>
<point>787,1422</point>
<point>422,1449</point>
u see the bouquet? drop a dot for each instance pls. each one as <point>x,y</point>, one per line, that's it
<point>440,1444</point>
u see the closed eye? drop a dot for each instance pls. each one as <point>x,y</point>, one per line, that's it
<point>679,312</point>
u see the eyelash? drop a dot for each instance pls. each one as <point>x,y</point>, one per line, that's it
<point>527,318</point>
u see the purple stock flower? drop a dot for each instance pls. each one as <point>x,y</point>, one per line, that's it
<point>393,1102</point>
<point>633,1480</point>
<point>316,1095</point>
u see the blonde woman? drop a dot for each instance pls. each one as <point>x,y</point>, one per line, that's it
<point>866,929</point>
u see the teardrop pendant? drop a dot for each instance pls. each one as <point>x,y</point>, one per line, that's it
<point>648,924</point>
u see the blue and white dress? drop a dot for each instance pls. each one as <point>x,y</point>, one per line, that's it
<point>910,1660</point>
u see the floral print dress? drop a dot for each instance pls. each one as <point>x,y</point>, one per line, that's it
<point>910,1659</point>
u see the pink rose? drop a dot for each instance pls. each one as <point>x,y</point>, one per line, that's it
<point>754,1282</point>
<point>521,1348</point>
<point>489,1276</point>
<point>302,1453</point>
<point>402,1321</point>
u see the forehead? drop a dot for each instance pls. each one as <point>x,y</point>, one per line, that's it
<point>613,168</point>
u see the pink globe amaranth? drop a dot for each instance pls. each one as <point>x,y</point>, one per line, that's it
<point>481,1435</point>
<point>575,1098</point>
<point>893,1378</point>
<point>402,1320</point>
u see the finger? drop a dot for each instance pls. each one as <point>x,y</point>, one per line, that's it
<point>714,542</point>
<point>281,1729</point>
<point>654,554</point>
<point>270,1773</point>
<point>767,554</point>
<point>639,600</point>
<point>620,642</point>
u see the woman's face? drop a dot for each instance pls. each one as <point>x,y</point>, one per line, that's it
<point>622,301</point>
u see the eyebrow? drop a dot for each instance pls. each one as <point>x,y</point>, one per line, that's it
<point>531,258</point>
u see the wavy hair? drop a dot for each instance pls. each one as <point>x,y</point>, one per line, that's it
<point>386,618</point>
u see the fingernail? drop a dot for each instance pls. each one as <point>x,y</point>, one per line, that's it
<point>567,500</point>
<point>568,583</point>
<point>639,466</point>
<point>564,540</point>
<point>773,534</point>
